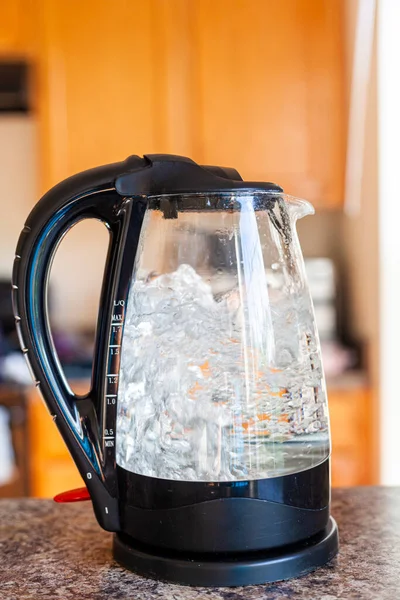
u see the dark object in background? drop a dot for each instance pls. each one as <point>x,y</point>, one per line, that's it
<point>14,95</point>
<point>323,281</point>
<point>75,352</point>
<point>75,349</point>
<point>8,336</point>
<point>6,312</point>
<point>321,275</point>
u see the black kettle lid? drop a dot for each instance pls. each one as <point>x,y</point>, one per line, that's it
<point>158,174</point>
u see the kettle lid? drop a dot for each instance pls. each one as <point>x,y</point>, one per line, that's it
<point>158,174</point>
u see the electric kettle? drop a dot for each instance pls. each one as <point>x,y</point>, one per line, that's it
<point>204,441</point>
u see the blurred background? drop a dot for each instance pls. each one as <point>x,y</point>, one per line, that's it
<point>282,90</point>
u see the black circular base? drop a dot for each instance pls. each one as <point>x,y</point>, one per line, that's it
<point>235,570</point>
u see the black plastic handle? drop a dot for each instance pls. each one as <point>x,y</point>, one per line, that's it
<point>90,194</point>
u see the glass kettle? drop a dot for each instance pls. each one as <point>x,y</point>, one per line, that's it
<point>206,430</point>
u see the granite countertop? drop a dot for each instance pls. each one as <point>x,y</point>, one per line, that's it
<point>49,550</point>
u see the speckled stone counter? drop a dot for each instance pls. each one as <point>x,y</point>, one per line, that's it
<point>53,551</point>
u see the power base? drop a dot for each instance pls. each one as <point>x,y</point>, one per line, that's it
<point>229,569</point>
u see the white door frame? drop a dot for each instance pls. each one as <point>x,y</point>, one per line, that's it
<point>388,49</point>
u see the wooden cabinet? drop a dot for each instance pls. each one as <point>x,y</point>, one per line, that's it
<point>269,92</point>
<point>98,90</point>
<point>350,415</point>
<point>17,28</point>
<point>9,25</point>
<point>53,470</point>
<point>246,83</point>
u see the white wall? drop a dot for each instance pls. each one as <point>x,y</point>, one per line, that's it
<point>18,182</point>
<point>389,243</point>
<point>360,230</point>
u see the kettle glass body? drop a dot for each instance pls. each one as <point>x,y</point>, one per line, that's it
<point>220,374</point>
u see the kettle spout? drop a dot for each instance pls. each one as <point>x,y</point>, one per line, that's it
<point>298,208</point>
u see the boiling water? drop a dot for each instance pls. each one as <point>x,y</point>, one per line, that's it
<point>216,387</point>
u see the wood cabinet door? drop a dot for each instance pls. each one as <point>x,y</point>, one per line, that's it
<point>18,22</point>
<point>268,95</point>
<point>245,83</point>
<point>350,415</point>
<point>98,84</point>
<point>9,25</point>
<point>52,469</point>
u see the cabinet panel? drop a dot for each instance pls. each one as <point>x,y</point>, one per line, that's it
<point>350,413</point>
<point>54,477</point>
<point>246,83</point>
<point>9,24</point>
<point>98,84</point>
<point>345,468</point>
<point>269,102</point>
<point>345,416</point>
<point>52,469</point>
<point>18,22</point>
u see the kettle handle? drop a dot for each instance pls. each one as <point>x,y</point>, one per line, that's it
<point>90,194</point>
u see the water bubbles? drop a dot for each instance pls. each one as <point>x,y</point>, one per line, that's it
<point>200,397</point>
<point>285,357</point>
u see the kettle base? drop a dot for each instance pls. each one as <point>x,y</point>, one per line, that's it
<point>229,570</point>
